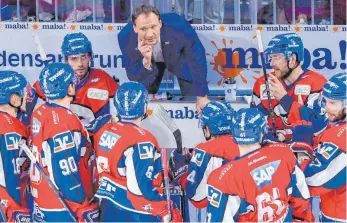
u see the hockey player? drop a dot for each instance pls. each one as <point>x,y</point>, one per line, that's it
<point>128,162</point>
<point>94,88</point>
<point>59,144</point>
<point>12,100</point>
<point>294,91</point>
<point>261,185</point>
<point>207,156</point>
<point>325,172</point>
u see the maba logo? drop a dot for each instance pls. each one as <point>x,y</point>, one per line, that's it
<point>108,140</point>
<point>146,150</point>
<point>198,156</point>
<point>226,62</point>
<point>63,141</point>
<point>214,196</point>
<point>12,140</point>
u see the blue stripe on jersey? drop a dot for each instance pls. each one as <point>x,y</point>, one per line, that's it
<point>196,170</point>
<point>11,169</point>
<point>144,167</point>
<point>63,157</point>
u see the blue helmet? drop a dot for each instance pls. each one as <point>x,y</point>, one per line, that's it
<point>248,126</point>
<point>335,88</point>
<point>287,44</point>
<point>55,79</point>
<point>130,100</point>
<point>217,115</point>
<point>11,82</point>
<point>76,43</point>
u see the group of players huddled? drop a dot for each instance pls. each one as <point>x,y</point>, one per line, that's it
<point>87,138</point>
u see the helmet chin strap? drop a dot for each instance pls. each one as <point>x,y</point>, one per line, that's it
<point>204,131</point>
<point>290,70</point>
<point>144,116</point>
<point>17,107</point>
<point>72,96</point>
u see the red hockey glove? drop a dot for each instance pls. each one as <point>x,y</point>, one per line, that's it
<point>175,215</point>
<point>89,213</point>
<point>302,141</point>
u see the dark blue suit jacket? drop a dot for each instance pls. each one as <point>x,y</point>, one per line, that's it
<point>183,53</point>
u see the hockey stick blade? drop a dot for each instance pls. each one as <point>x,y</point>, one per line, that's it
<point>160,112</point>
<point>31,156</point>
<point>40,48</point>
<point>261,50</point>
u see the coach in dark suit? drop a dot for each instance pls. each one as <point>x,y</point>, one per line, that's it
<point>153,42</point>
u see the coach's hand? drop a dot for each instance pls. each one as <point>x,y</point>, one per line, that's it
<point>201,102</point>
<point>146,51</point>
<point>276,87</point>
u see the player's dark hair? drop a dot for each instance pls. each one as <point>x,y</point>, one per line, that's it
<point>146,9</point>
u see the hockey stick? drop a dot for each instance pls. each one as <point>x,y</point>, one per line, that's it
<point>261,50</point>
<point>31,156</point>
<point>160,112</point>
<point>2,213</point>
<point>166,180</point>
<point>40,48</point>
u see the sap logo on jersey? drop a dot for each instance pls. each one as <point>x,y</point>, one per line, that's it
<point>108,140</point>
<point>214,196</point>
<point>198,156</point>
<point>12,140</point>
<point>146,150</point>
<point>63,141</point>
<point>262,175</point>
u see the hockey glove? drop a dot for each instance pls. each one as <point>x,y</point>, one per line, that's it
<point>175,215</point>
<point>302,142</point>
<point>98,123</point>
<point>89,213</point>
<point>178,164</point>
<point>18,214</point>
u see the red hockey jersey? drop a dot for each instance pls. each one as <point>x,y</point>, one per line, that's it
<point>304,91</point>
<point>59,144</point>
<point>208,156</point>
<point>261,186</point>
<point>12,131</point>
<point>92,95</point>
<point>128,161</point>
<point>326,175</point>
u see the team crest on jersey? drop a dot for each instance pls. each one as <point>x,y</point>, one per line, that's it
<point>198,156</point>
<point>327,150</point>
<point>12,140</point>
<point>263,93</point>
<point>63,141</point>
<point>214,196</point>
<point>108,140</point>
<point>36,126</point>
<point>146,150</point>
<point>262,175</point>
